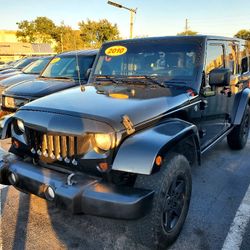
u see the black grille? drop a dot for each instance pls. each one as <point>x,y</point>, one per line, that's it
<point>50,147</point>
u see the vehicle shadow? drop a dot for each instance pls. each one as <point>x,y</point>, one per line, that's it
<point>29,222</point>
<point>90,232</point>
<point>14,219</point>
<point>3,196</point>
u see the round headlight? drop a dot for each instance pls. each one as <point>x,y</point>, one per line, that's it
<point>103,141</point>
<point>20,125</point>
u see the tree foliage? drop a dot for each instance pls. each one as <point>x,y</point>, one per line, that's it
<point>187,33</point>
<point>243,34</point>
<point>67,39</point>
<point>40,30</point>
<point>94,33</point>
<point>90,35</point>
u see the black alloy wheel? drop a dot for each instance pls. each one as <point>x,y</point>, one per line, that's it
<point>174,203</point>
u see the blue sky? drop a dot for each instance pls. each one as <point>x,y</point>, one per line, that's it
<point>154,18</point>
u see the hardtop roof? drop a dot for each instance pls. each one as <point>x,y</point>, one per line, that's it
<point>195,38</point>
<point>80,52</point>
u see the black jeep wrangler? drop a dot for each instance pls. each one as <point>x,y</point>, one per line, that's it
<point>123,146</point>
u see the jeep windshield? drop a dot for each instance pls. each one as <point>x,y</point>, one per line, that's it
<point>68,67</point>
<point>37,66</point>
<point>164,60</point>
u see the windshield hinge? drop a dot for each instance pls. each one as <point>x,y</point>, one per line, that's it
<point>127,123</point>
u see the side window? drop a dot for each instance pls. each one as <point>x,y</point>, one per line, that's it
<point>232,58</point>
<point>243,59</point>
<point>215,57</point>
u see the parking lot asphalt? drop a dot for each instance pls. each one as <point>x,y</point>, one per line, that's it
<point>219,187</point>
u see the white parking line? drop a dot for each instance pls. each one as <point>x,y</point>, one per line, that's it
<point>239,225</point>
<point>1,240</point>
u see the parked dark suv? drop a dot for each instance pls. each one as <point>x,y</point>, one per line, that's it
<point>65,70</point>
<point>30,72</point>
<point>123,147</point>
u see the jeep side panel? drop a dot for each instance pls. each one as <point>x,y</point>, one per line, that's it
<point>152,142</point>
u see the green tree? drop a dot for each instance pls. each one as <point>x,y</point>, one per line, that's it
<point>94,33</point>
<point>187,33</point>
<point>26,32</point>
<point>243,34</point>
<point>67,38</point>
<point>40,30</point>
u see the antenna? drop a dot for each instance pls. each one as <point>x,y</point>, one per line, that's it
<point>77,67</point>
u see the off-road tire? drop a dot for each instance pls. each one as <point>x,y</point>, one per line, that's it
<point>150,230</point>
<point>237,138</point>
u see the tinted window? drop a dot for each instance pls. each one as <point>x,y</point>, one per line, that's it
<point>166,59</point>
<point>215,57</point>
<point>232,58</point>
<point>24,62</point>
<point>37,66</point>
<point>67,67</point>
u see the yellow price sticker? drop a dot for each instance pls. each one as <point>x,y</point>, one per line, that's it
<point>55,60</point>
<point>116,50</point>
<point>118,96</point>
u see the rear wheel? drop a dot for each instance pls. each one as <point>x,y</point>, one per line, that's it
<point>237,138</point>
<point>172,186</point>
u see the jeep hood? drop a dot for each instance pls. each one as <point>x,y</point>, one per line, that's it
<point>4,76</point>
<point>38,87</point>
<point>109,104</point>
<point>17,79</point>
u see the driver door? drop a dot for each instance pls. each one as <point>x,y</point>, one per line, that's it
<point>215,99</point>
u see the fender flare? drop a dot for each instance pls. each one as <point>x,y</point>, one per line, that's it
<point>6,126</point>
<point>138,152</point>
<point>241,100</point>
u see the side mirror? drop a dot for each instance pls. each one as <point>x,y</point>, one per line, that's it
<point>87,74</point>
<point>219,77</point>
<point>244,65</point>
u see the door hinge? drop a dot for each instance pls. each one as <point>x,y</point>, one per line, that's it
<point>127,123</point>
<point>203,104</point>
<point>202,133</point>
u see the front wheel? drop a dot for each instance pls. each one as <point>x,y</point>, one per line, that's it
<point>237,138</point>
<point>172,186</point>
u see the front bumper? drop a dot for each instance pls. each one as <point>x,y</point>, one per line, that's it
<point>81,194</point>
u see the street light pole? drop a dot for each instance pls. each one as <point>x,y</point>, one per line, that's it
<point>132,12</point>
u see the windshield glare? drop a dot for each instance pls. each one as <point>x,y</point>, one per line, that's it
<point>24,62</point>
<point>37,66</point>
<point>66,67</point>
<point>165,59</point>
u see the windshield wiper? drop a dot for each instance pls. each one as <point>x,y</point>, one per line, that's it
<point>63,77</point>
<point>153,80</point>
<point>107,77</point>
<point>141,80</point>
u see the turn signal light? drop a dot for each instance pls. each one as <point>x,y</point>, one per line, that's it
<point>103,167</point>
<point>158,160</point>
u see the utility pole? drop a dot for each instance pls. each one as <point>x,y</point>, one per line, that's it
<point>186,26</point>
<point>131,24</point>
<point>61,42</point>
<point>132,12</point>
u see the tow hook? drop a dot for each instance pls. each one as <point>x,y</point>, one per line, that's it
<point>71,182</point>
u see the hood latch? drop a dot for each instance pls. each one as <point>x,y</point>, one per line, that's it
<point>127,123</point>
